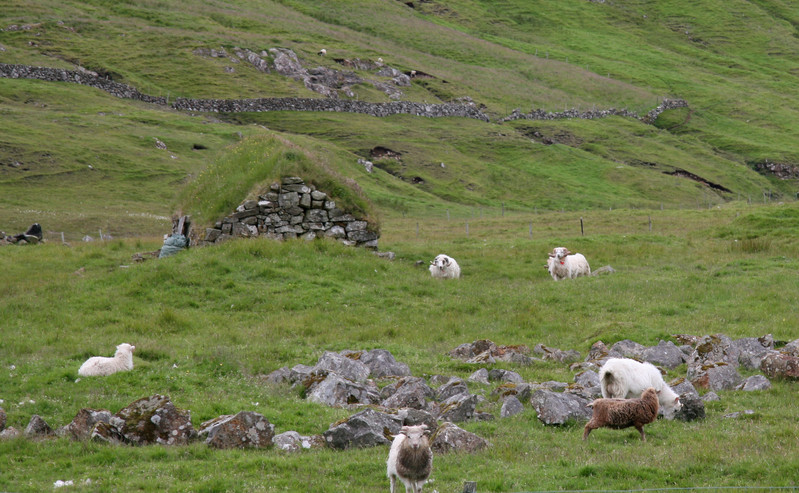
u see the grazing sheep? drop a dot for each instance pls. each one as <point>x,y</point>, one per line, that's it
<point>322,52</point>
<point>445,267</point>
<point>623,413</point>
<point>563,264</point>
<point>102,366</point>
<point>410,459</point>
<point>624,378</point>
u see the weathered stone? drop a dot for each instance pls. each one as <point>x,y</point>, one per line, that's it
<point>348,368</point>
<point>336,232</point>
<point>598,351</point>
<point>300,189</point>
<point>281,375</point>
<point>693,406</point>
<point>83,423</point>
<point>238,216</point>
<point>291,441</point>
<point>719,376</point>
<point>780,365</point>
<point>556,354</point>
<point>713,349</point>
<point>750,351</point>
<point>246,429</point>
<point>290,199</point>
<point>711,396</point>
<point>755,382</point>
<point>740,414</point>
<point>510,406</point>
<point>316,216</point>
<point>364,429</point>
<point>357,226</point>
<point>557,408</point>
<point>305,201</point>
<point>627,349</point>
<point>501,375</point>
<point>792,348</point>
<point>381,363</point>
<point>292,180</point>
<point>480,376</point>
<point>451,438</point>
<point>318,195</point>
<point>522,391</point>
<point>455,386</point>
<point>460,407</point>
<point>587,378</point>
<point>155,419</point>
<point>336,391</point>
<point>37,427</point>
<point>665,354</point>
<point>10,433</point>
<point>250,204</point>
<point>362,236</point>
<point>408,392</point>
<point>413,417</point>
<point>211,234</point>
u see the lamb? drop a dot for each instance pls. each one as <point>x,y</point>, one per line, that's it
<point>102,366</point>
<point>410,459</point>
<point>563,264</point>
<point>623,413</point>
<point>625,378</point>
<point>445,267</point>
<point>322,52</point>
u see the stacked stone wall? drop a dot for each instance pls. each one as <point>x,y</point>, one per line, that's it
<point>291,209</point>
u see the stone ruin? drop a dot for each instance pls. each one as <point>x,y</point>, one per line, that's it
<point>291,209</point>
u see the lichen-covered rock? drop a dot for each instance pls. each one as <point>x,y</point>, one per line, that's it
<point>455,386</point>
<point>498,374</point>
<point>348,368</point>
<point>246,429</point>
<point>364,429</point>
<point>510,406</point>
<point>665,354</point>
<point>719,376</point>
<point>381,363</point>
<point>336,391</point>
<point>155,419</point>
<point>458,408</point>
<point>81,426</point>
<point>37,427</point>
<point>555,408</point>
<point>291,441</point>
<point>627,349</point>
<point>751,350</point>
<point>755,382</point>
<point>410,392</point>
<point>10,433</point>
<point>451,438</point>
<point>693,406</point>
<point>780,365</point>
<point>105,432</point>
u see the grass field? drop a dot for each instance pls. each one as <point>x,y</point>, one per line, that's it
<point>210,323</point>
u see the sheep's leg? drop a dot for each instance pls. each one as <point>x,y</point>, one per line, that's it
<point>640,428</point>
<point>587,431</point>
<point>393,480</point>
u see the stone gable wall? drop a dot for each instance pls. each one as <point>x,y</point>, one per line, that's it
<point>291,209</point>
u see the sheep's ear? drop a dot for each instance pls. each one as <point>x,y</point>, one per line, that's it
<point>404,430</point>
<point>446,261</point>
<point>676,400</point>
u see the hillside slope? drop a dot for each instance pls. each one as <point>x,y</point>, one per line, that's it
<point>733,62</point>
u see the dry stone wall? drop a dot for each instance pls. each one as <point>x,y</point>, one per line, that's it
<point>292,209</point>
<point>89,78</point>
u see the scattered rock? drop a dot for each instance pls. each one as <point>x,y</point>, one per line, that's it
<point>555,408</point>
<point>364,429</point>
<point>455,386</point>
<point>755,382</point>
<point>37,427</point>
<point>780,365</point>
<point>451,438</point>
<point>381,363</point>
<point>9,433</point>
<point>246,429</point>
<point>155,419</point>
<point>336,391</point>
<point>291,441</point>
<point>510,406</point>
<point>693,406</point>
<point>665,354</point>
<point>480,376</point>
<point>458,408</point>
<point>81,426</point>
<point>408,392</point>
<point>710,397</point>
<point>740,414</point>
<point>348,368</point>
<point>719,376</point>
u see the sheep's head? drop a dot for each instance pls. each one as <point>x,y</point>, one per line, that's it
<point>416,436</point>
<point>441,261</point>
<point>125,348</point>
<point>559,252</point>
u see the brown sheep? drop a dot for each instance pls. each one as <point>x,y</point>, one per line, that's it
<point>623,413</point>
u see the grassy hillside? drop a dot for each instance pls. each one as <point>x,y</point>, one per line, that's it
<point>701,242</point>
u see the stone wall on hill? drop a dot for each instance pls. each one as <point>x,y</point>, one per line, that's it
<point>291,209</point>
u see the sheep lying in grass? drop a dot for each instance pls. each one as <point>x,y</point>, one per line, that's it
<point>102,366</point>
<point>410,459</point>
<point>625,378</point>
<point>445,267</point>
<point>623,413</point>
<point>562,264</point>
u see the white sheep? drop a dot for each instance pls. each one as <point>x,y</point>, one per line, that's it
<point>410,459</point>
<point>625,378</point>
<point>623,413</point>
<point>102,366</point>
<point>562,264</point>
<point>322,52</point>
<point>445,267</point>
